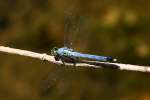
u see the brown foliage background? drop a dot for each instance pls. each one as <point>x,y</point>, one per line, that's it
<point>118,28</point>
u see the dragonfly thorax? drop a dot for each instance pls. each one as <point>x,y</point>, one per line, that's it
<point>64,51</point>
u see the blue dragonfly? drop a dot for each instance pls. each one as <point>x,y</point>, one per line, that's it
<point>68,55</point>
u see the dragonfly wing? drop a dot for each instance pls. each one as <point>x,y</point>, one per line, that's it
<point>101,64</point>
<point>71,28</point>
<point>67,30</point>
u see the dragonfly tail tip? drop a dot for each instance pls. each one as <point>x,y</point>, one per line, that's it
<point>114,60</point>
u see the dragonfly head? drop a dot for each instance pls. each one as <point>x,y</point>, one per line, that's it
<point>54,51</point>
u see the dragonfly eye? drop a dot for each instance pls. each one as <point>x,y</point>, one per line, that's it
<point>54,51</point>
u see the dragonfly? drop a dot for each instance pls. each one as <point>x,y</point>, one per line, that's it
<point>66,54</point>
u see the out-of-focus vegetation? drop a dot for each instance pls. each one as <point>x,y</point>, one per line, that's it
<point>106,27</point>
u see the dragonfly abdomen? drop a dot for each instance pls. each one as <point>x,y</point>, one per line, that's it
<point>93,57</point>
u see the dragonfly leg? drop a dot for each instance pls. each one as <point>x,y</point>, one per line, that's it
<point>74,64</point>
<point>57,58</point>
<point>63,62</point>
<point>73,61</point>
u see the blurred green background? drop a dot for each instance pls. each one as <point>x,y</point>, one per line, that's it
<point>118,28</point>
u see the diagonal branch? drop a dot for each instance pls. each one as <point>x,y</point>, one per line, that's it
<point>51,59</point>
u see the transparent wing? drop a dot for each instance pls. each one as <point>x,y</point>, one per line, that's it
<point>71,27</point>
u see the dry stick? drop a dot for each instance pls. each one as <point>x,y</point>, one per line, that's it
<point>51,59</point>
